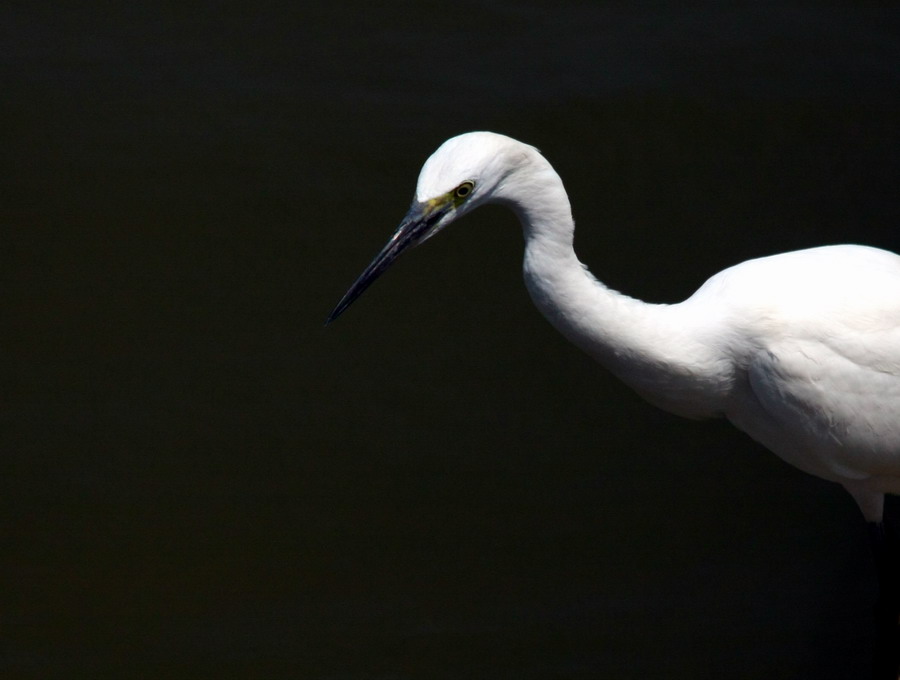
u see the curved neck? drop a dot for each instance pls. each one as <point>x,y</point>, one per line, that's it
<point>652,348</point>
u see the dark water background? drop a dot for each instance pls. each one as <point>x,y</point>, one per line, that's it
<point>199,480</point>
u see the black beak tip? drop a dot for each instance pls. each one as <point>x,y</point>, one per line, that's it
<point>338,310</point>
<point>331,317</point>
<point>350,297</point>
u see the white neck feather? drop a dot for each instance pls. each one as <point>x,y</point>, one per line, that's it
<point>652,348</point>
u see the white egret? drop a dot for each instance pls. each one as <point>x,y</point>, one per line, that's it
<point>799,350</point>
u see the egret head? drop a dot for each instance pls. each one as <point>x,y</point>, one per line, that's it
<point>465,172</point>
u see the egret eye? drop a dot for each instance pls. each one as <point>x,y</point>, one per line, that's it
<point>464,189</point>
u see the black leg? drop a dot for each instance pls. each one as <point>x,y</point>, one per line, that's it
<point>886,545</point>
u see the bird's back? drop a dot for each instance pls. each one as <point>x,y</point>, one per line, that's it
<point>842,285</point>
<point>814,337</point>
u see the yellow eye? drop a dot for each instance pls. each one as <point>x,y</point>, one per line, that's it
<point>464,189</point>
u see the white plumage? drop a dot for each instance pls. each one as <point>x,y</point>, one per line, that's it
<point>800,350</point>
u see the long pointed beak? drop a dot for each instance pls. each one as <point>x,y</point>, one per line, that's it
<point>415,227</point>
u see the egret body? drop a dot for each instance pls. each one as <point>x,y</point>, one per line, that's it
<point>799,350</point>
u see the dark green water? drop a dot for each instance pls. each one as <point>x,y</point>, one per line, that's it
<point>199,480</point>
